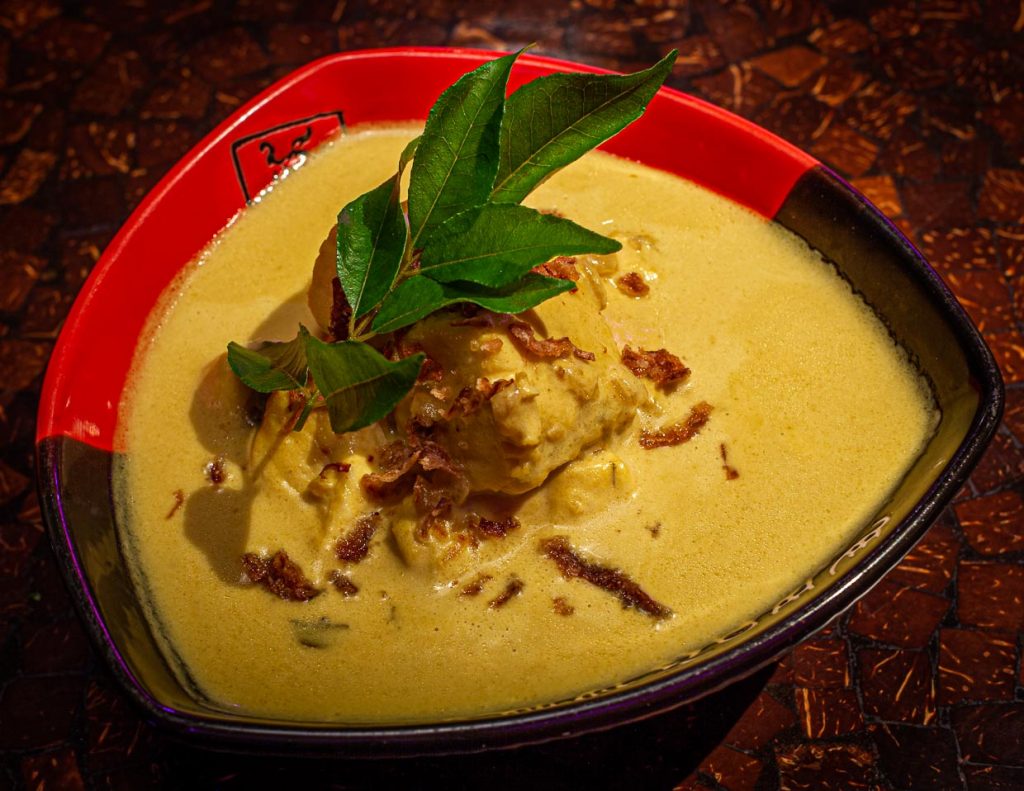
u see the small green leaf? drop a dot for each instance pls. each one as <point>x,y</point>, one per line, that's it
<point>496,244</point>
<point>419,296</point>
<point>458,152</point>
<point>359,385</point>
<point>554,120</point>
<point>278,365</point>
<point>371,241</point>
<point>409,152</point>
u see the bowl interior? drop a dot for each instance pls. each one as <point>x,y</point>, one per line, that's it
<point>77,438</point>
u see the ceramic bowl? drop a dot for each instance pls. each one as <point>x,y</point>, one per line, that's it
<point>77,437</point>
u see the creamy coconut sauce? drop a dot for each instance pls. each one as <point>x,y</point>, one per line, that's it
<point>798,370</point>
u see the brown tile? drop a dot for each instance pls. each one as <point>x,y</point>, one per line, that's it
<point>898,615</point>
<point>78,256</point>
<point>1002,462</point>
<point>975,666</point>
<point>299,43</point>
<point>12,483</point>
<point>760,723</point>
<point>605,35</point>
<point>1013,417</point>
<point>881,191</point>
<point>163,142</point>
<point>54,648</point>
<point>25,175</point>
<point>821,664</point>
<point>1002,196</point>
<point>844,36</point>
<point>16,119</point>
<point>929,565</point>
<point>837,83</point>
<point>64,39</point>
<point>114,733</point>
<point>959,249</point>
<point>797,118</point>
<point>791,65</point>
<point>733,770</point>
<point>985,294</point>
<point>1008,348</point>
<point>92,203</point>
<point>738,88</point>
<point>965,156</point>
<point>697,54</point>
<point>96,149</point>
<point>182,94</point>
<point>993,778</point>
<point>879,111</point>
<point>897,685</point>
<point>45,313</point>
<point>5,60</point>
<point>21,362</point>
<point>993,524</point>
<point>39,711</point>
<point>827,713</point>
<point>18,273</point>
<point>1006,117</point>
<point>20,17</point>
<point>920,63</point>
<point>783,20</point>
<point>659,25</point>
<point>783,673</point>
<point>918,758</point>
<point>227,55</point>
<point>58,770</point>
<point>115,81</point>
<point>824,767</point>
<point>1010,244</point>
<point>845,150</point>
<point>938,204</point>
<point>990,733</point>
<point>18,542</point>
<point>991,595</point>
<point>736,29</point>
<point>895,20</point>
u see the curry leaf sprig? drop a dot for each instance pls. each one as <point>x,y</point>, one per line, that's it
<point>465,237</point>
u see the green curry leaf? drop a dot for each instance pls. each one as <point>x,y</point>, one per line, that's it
<point>554,120</point>
<point>371,241</point>
<point>497,243</point>
<point>418,297</point>
<point>359,384</point>
<point>278,365</point>
<point>458,152</point>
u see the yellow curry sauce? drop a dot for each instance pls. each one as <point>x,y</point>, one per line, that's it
<point>792,461</point>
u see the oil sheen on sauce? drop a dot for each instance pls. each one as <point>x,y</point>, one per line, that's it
<point>797,368</point>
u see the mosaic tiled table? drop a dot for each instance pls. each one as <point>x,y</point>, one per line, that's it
<point>919,104</point>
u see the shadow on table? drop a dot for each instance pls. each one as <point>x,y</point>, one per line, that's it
<point>655,753</point>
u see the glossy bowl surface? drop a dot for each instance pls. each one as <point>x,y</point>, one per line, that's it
<point>77,438</point>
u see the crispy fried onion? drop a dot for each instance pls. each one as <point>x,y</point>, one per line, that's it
<point>563,267</point>
<point>632,284</point>
<point>355,544</point>
<point>574,565</point>
<point>512,589</point>
<point>280,575</point>
<point>678,433</point>
<point>470,399</point>
<point>343,584</point>
<point>524,338</point>
<point>660,366</point>
<point>549,348</point>
<point>401,462</point>
<point>437,520</point>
